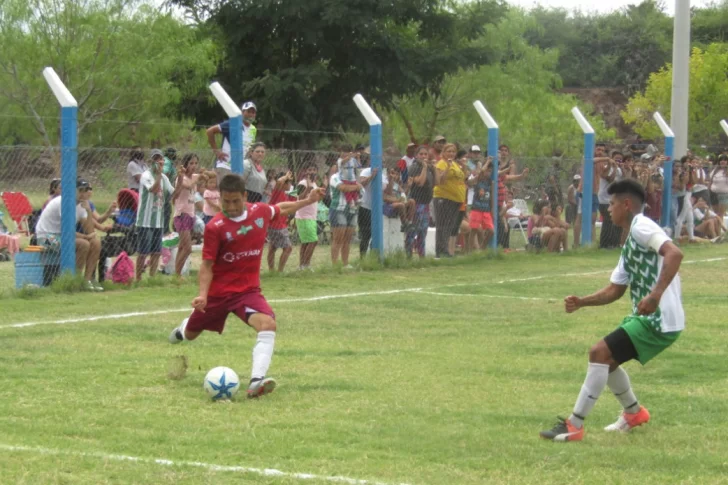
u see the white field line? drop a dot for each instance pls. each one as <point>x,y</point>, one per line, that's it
<point>317,298</point>
<point>189,310</point>
<point>484,296</point>
<point>267,472</point>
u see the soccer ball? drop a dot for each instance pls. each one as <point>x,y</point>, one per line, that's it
<point>221,383</point>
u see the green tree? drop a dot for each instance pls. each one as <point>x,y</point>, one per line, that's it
<point>303,61</point>
<point>519,89</point>
<point>125,62</point>
<point>619,49</point>
<point>708,97</point>
<point>710,24</point>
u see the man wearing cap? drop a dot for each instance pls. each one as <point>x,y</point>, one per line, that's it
<point>88,246</point>
<point>405,163</point>
<point>153,187</point>
<point>222,166</point>
<point>436,149</point>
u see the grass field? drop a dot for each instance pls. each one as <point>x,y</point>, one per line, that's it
<point>437,375</point>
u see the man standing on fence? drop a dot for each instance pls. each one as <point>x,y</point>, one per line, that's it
<point>222,165</point>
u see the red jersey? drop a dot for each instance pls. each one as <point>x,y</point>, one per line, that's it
<point>236,249</point>
<point>275,197</point>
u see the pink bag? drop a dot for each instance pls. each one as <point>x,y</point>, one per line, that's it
<point>122,271</point>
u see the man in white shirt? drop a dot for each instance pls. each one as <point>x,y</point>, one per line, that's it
<point>222,165</point>
<point>135,168</point>
<point>88,246</point>
<point>649,266</point>
<point>150,214</point>
<point>364,217</point>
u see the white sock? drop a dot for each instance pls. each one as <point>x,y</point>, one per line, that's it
<point>262,354</point>
<point>596,380</point>
<point>182,327</point>
<point>619,383</point>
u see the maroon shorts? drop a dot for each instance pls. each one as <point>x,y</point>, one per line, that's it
<point>219,307</point>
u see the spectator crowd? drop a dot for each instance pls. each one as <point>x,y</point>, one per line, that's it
<point>440,187</point>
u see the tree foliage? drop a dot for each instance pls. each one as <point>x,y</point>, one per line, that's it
<point>302,61</point>
<point>124,61</point>
<point>708,98</point>
<point>619,49</point>
<point>518,88</point>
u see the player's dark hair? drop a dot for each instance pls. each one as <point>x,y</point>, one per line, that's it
<point>345,149</point>
<point>232,183</point>
<point>627,187</point>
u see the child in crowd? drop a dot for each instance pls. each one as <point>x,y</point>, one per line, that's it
<point>348,165</point>
<point>395,200</point>
<point>199,228</point>
<point>212,198</point>
<point>481,218</point>
<point>270,176</point>
<point>278,237</point>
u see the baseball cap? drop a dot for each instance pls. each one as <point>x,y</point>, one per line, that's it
<point>82,184</point>
<point>410,145</point>
<point>156,153</point>
<point>577,177</point>
<point>439,138</point>
<point>475,148</point>
<point>249,105</point>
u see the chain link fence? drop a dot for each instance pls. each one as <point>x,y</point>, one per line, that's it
<point>29,179</point>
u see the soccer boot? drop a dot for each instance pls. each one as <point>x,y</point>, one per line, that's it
<point>563,431</point>
<point>627,421</point>
<point>177,336</point>
<point>261,387</point>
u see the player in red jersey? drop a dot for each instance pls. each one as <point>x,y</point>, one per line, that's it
<point>230,275</point>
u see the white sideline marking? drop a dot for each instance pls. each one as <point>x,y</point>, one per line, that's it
<point>189,309</point>
<point>319,298</point>
<point>267,472</point>
<point>484,296</point>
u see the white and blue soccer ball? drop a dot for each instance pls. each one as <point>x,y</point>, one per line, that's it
<point>221,383</point>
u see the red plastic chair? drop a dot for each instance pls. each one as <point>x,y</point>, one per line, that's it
<point>19,209</point>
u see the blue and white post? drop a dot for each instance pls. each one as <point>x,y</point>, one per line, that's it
<point>588,177</point>
<point>724,125</point>
<point>375,142</point>
<point>493,134</point>
<point>667,169</point>
<point>236,126</point>
<point>69,161</point>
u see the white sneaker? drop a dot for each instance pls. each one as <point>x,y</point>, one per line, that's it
<point>261,387</point>
<point>93,286</point>
<point>348,266</point>
<point>620,425</point>
<point>177,336</point>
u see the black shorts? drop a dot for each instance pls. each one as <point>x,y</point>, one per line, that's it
<point>620,346</point>
<point>149,240</point>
